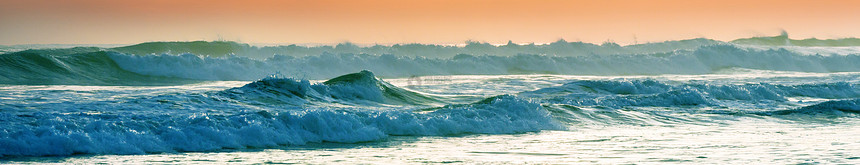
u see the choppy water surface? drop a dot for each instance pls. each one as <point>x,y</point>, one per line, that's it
<point>688,101</point>
<point>734,116</point>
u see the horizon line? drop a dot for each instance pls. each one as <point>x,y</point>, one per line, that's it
<point>361,44</point>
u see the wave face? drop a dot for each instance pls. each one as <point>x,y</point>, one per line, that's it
<point>93,68</point>
<point>234,119</point>
<point>704,60</point>
<point>651,93</point>
<point>116,68</point>
<point>558,48</point>
<point>360,107</point>
<point>783,40</point>
<point>355,88</point>
<point>117,133</point>
<point>653,102</point>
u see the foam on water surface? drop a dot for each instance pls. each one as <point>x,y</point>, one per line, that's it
<point>687,101</point>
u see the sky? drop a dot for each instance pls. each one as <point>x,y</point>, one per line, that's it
<point>418,21</point>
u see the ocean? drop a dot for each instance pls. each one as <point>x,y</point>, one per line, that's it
<point>694,101</point>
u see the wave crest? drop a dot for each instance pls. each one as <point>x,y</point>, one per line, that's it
<point>44,134</point>
<point>625,93</point>
<point>701,60</point>
<point>361,87</point>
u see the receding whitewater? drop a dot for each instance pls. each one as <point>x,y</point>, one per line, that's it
<point>736,116</point>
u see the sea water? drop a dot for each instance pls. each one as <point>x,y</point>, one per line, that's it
<point>711,104</point>
<point>746,116</point>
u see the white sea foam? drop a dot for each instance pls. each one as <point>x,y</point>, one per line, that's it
<point>647,93</point>
<point>209,121</point>
<point>697,84</point>
<point>704,60</point>
<point>116,133</point>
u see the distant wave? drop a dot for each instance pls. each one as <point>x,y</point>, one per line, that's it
<point>92,68</point>
<point>650,93</point>
<point>114,68</point>
<point>783,40</point>
<point>558,48</point>
<point>651,102</point>
<point>703,60</point>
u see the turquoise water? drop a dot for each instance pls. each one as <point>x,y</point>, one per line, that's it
<point>692,101</point>
<point>768,120</point>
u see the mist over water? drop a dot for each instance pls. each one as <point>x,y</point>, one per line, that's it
<point>688,101</point>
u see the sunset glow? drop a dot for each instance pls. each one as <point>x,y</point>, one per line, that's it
<point>432,21</point>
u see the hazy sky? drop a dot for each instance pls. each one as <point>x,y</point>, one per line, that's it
<point>417,21</point>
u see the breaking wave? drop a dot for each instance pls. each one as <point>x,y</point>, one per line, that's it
<point>92,68</point>
<point>360,107</point>
<point>651,102</point>
<point>361,87</point>
<point>113,68</point>
<point>703,60</point>
<point>211,121</point>
<point>651,93</point>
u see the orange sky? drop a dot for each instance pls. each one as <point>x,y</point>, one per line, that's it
<point>421,21</point>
